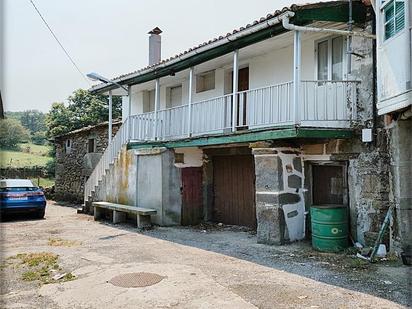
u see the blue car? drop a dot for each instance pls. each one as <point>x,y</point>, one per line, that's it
<point>21,196</point>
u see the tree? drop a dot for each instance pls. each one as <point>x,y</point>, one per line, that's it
<point>84,109</point>
<point>12,133</point>
<point>33,120</point>
<point>39,138</point>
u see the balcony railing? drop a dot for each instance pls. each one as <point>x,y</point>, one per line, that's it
<point>320,104</point>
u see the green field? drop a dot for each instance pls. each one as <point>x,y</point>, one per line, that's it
<point>43,182</point>
<point>30,155</point>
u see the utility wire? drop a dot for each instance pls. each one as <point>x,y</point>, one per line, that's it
<point>61,45</point>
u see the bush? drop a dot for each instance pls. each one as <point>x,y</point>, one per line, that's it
<point>39,138</point>
<point>11,134</point>
<point>51,168</point>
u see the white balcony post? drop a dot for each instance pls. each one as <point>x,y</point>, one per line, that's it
<point>129,111</point>
<point>157,105</point>
<point>189,118</point>
<point>235,88</point>
<point>296,76</point>
<point>110,116</point>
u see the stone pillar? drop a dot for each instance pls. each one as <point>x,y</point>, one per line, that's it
<point>269,181</point>
<point>278,183</point>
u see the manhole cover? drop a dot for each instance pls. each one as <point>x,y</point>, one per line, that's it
<point>136,280</point>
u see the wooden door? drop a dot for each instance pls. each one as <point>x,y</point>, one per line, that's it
<point>192,197</point>
<point>243,85</point>
<point>234,190</point>
<point>329,185</point>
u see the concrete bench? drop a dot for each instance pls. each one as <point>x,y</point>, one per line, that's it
<point>120,212</point>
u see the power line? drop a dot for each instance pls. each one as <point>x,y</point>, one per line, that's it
<point>61,45</point>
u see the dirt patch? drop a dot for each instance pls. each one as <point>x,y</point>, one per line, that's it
<point>41,267</point>
<point>59,242</point>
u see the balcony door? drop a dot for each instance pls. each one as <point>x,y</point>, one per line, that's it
<point>329,90</point>
<point>243,85</point>
<point>330,59</point>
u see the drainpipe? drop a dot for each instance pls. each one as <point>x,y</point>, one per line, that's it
<point>157,103</point>
<point>129,110</point>
<point>189,118</point>
<point>287,25</point>
<point>110,116</point>
<point>296,75</point>
<point>349,43</point>
<point>235,88</point>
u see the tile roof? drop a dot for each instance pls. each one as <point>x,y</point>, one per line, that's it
<point>292,8</point>
<point>89,128</point>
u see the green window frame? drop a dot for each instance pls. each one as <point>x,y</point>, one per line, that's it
<point>394,14</point>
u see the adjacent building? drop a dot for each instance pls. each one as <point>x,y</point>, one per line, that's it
<point>77,153</point>
<point>394,102</point>
<point>255,127</point>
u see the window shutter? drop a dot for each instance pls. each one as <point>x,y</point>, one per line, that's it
<point>399,16</point>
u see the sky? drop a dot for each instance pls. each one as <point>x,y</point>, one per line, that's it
<point>104,36</point>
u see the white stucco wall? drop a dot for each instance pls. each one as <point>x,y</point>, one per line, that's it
<point>193,157</point>
<point>272,66</point>
<point>394,65</point>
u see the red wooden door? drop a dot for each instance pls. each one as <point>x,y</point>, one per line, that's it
<point>192,197</point>
<point>234,190</point>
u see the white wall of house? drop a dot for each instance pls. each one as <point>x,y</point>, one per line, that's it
<point>272,65</point>
<point>394,63</point>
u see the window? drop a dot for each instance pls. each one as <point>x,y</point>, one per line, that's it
<point>174,95</point>
<point>68,146</point>
<point>205,81</point>
<point>330,57</point>
<point>394,14</point>
<point>91,145</point>
<point>148,101</point>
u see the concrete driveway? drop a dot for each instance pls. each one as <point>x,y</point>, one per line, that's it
<point>199,267</point>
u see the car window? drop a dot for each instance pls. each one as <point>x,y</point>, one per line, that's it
<point>18,189</point>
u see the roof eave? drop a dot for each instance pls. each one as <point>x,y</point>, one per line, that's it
<point>303,15</point>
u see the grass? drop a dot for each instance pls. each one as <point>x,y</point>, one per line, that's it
<point>29,155</point>
<point>41,267</point>
<point>44,182</point>
<point>59,242</point>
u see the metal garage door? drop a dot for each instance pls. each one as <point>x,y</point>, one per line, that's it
<point>234,190</point>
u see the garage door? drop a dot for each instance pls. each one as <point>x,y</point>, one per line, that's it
<point>234,190</point>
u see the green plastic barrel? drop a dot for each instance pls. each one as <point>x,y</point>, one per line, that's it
<point>329,227</point>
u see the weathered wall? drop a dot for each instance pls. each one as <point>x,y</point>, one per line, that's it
<point>72,167</point>
<point>368,179</point>
<point>401,172</point>
<point>279,194</point>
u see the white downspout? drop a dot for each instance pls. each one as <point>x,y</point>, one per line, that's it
<point>129,110</point>
<point>287,25</point>
<point>157,105</point>
<point>189,118</point>
<point>110,116</point>
<point>235,88</point>
<point>296,75</point>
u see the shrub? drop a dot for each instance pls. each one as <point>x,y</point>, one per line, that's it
<point>12,133</point>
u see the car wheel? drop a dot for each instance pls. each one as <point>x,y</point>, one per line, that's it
<point>40,214</point>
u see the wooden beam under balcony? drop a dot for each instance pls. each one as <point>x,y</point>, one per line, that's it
<point>288,132</point>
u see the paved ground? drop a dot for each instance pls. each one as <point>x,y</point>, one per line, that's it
<point>203,267</point>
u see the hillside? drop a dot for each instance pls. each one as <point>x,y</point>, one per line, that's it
<point>30,155</point>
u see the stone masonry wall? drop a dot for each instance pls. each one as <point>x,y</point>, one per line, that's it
<point>70,166</point>
<point>279,187</point>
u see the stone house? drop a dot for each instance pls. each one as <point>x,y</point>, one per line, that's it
<point>256,127</point>
<point>77,153</point>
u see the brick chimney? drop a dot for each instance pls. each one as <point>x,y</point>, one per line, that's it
<point>155,44</point>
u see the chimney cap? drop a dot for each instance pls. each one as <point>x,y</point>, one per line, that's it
<point>155,31</point>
